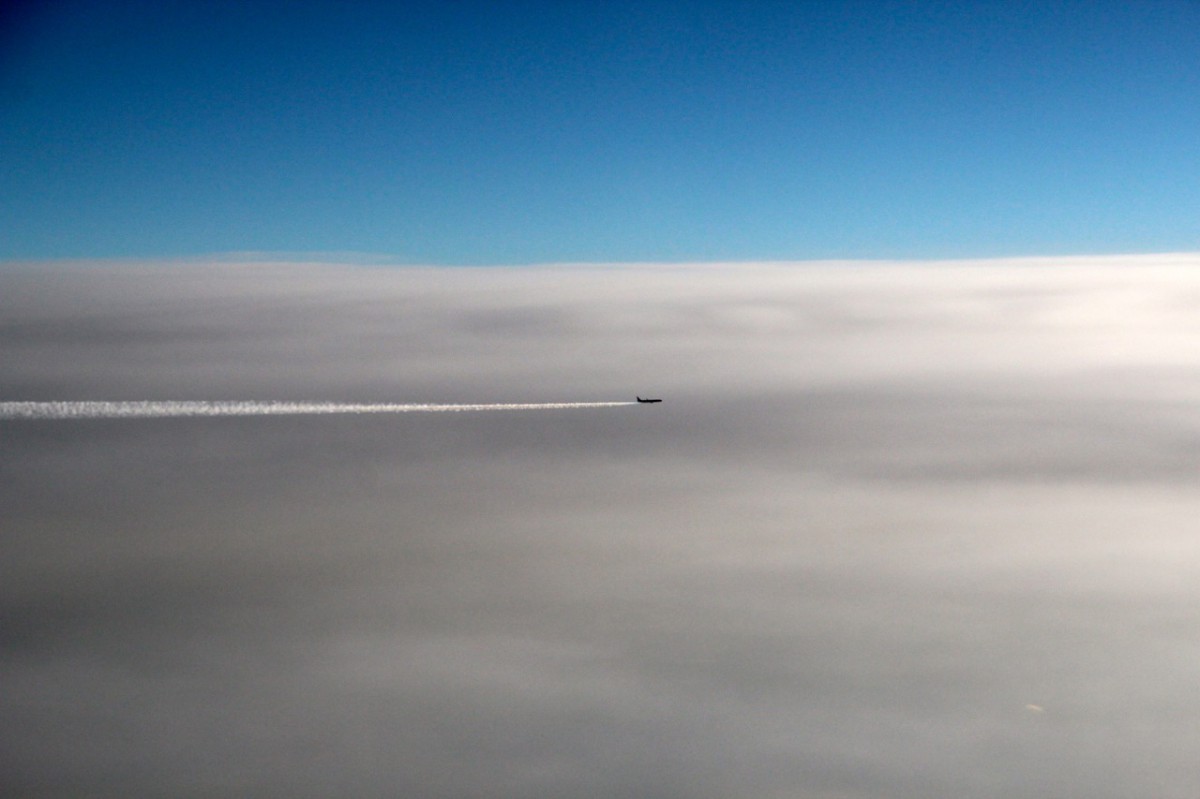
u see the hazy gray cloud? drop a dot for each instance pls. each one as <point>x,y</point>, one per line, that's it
<point>884,510</point>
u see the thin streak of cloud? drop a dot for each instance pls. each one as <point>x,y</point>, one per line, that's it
<point>168,409</point>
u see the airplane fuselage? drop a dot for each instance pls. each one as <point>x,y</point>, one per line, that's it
<point>645,401</point>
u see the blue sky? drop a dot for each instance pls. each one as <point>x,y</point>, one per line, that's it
<point>492,133</point>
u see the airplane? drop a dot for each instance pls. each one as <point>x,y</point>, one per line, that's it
<point>639,399</point>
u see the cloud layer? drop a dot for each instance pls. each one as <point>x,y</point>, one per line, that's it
<point>885,510</point>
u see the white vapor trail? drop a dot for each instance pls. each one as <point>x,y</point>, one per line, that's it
<point>163,409</point>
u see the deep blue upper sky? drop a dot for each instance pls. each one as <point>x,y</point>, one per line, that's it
<point>473,132</point>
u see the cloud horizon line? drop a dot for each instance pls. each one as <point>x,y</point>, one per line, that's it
<point>389,261</point>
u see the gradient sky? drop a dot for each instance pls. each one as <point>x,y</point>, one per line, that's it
<point>496,133</point>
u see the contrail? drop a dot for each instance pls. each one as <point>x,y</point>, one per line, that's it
<point>164,409</point>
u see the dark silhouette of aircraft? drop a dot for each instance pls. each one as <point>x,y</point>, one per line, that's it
<point>639,399</point>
